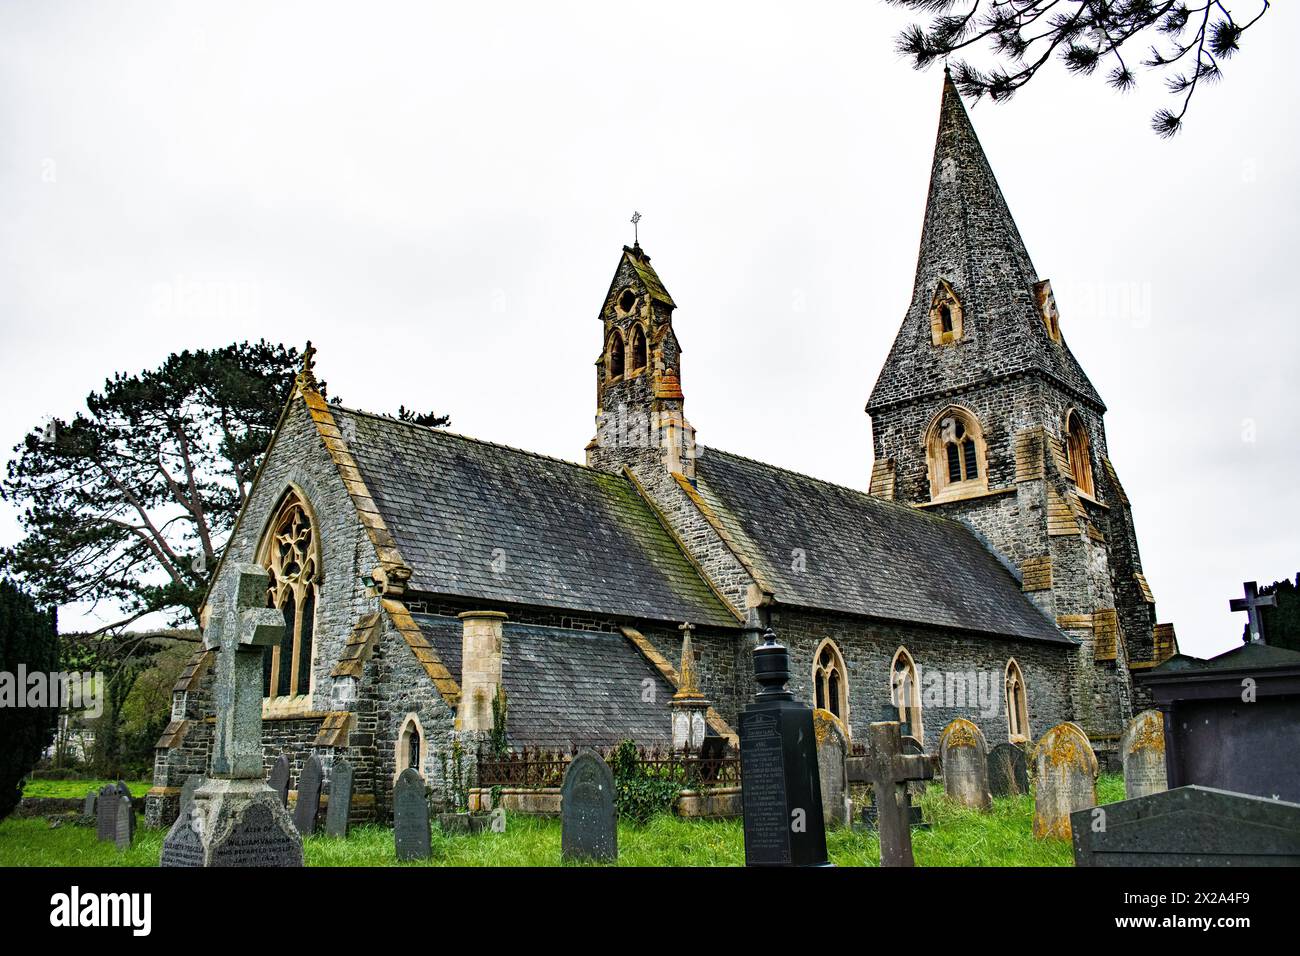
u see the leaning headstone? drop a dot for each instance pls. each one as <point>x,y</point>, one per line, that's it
<point>279,779</point>
<point>237,819</point>
<point>1065,779</point>
<point>779,788</point>
<point>88,809</point>
<point>307,809</point>
<point>964,757</point>
<point>411,817</point>
<point>832,770</point>
<point>192,783</point>
<point>588,821</point>
<point>1142,749</point>
<point>125,830</point>
<point>106,813</point>
<point>1008,773</point>
<point>340,805</point>
<point>1189,826</point>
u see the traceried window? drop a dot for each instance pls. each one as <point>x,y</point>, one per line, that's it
<point>291,554</point>
<point>1017,704</point>
<point>905,693</point>
<point>1078,450</point>
<point>616,354</point>
<point>638,348</point>
<point>955,447</point>
<point>830,681</point>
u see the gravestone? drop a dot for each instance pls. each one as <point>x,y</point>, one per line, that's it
<point>192,783</point>
<point>1142,749</point>
<point>588,822</point>
<point>1189,826</point>
<point>88,809</point>
<point>1008,772</point>
<point>340,805</point>
<point>411,817</point>
<point>1065,776</point>
<point>832,769</point>
<point>237,820</point>
<point>779,785</point>
<point>307,809</point>
<point>106,813</point>
<point>964,757</point>
<point>890,771</point>
<point>279,779</point>
<point>124,832</point>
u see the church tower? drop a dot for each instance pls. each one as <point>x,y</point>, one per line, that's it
<point>639,402</point>
<point>983,414</point>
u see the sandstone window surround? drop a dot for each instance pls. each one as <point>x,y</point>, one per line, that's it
<point>290,552</point>
<point>957,455</point>
<point>626,301</point>
<point>614,362</point>
<point>1017,704</point>
<point>945,315</point>
<point>1078,452</point>
<point>412,749</point>
<point>830,681</point>
<point>905,693</point>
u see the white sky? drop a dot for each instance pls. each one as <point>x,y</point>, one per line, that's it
<point>437,197</point>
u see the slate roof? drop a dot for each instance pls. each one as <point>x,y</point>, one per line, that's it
<point>971,240</point>
<point>1246,657</point>
<point>863,555</point>
<point>566,686</point>
<point>558,534</point>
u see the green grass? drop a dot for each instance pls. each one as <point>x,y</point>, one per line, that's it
<point>957,837</point>
<point>77,789</point>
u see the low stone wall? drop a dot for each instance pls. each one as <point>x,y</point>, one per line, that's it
<point>60,806</point>
<point>715,804</point>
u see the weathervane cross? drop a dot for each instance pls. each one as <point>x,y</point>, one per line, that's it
<point>636,217</point>
<point>1251,604</point>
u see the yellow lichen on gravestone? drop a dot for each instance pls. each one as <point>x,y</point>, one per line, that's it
<point>1065,774</point>
<point>959,733</point>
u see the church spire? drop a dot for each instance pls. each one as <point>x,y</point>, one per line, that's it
<point>976,289</point>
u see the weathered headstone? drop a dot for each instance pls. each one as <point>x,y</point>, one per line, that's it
<point>88,809</point>
<point>307,809</point>
<point>588,821</point>
<point>237,819</point>
<point>340,805</point>
<point>1065,775</point>
<point>964,757</point>
<point>106,813</point>
<point>1189,826</point>
<point>411,817</point>
<point>779,785</point>
<point>124,832</point>
<point>1008,773</point>
<point>891,769</point>
<point>279,779</point>
<point>1142,749</point>
<point>832,770</point>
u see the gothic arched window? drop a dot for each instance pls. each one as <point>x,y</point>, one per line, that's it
<point>905,693</point>
<point>955,448</point>
<point>1017,703</point>
<point>291,554</point>
<point>830,681</point>
<point>410,746</point>
<point>616,354</point>
<point>1078,451</point>
<point>945,315</point>
<point>638,348</point>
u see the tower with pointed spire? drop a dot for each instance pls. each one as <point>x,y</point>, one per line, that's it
<point>982,413</point>
<point>640,416</point>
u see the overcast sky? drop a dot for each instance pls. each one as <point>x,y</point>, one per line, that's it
<point>437,198</point>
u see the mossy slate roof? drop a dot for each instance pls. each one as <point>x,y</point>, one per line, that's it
<point>862,555</point>
<point>567,686</point>
<point>483,521</point>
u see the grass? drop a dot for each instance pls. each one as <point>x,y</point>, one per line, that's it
<point>77,789</point>
<point>957,837</point>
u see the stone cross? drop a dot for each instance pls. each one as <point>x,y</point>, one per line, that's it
<point>1251,604</point>
<point>891,769</point>
<point>241,627</point>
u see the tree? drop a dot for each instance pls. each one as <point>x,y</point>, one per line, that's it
<point>1282,620</point>
<point>28,637</point>
<point>1187,43</point>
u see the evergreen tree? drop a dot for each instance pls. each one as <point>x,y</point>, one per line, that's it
<point>1282,621</point>
<point>28,636</point>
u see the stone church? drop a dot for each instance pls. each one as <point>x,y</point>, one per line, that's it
<point>990,572</point>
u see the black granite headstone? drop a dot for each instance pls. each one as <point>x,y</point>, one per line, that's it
<point>1008,771</point>
<point>279,779</point>
<point>340,805</point>
<point>411,817</point>
<point>257,839</point>
<point>106,814</point>
<point>1189,826</point>
<point>124,832</point>
<point>307,809</point>
<point>183,846</point>
<point>588,820</point>
<point>780,786</point>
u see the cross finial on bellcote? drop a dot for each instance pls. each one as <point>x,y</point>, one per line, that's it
<point>1251,604</point>
<point>636,218</point>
